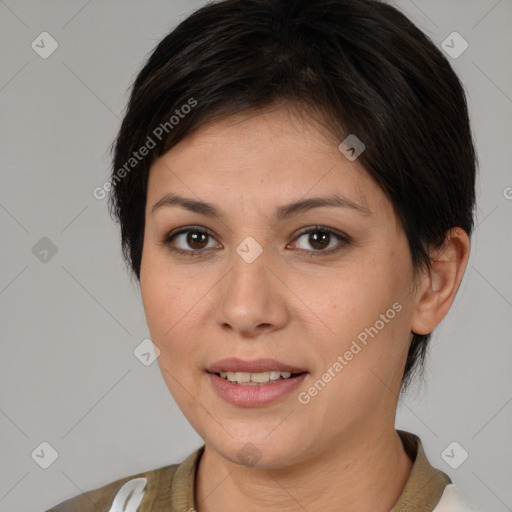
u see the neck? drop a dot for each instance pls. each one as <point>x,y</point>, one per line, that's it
<point>365,472</point>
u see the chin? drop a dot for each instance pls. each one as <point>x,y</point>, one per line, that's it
<point>262,452</point>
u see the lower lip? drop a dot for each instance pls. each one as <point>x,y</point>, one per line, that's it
<point>249,395</point>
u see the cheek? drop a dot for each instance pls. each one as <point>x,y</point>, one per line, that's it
<point>369,312</point>
<point>172,306</point>
<point>162,296</point>
<point>166,317</point>
<point>362,295</point>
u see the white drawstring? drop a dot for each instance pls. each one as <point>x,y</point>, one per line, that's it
<point>129,497</point>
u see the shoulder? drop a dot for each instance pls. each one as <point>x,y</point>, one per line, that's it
<point>165,488</point>
<point>113,496</point>
<point>452,500</point>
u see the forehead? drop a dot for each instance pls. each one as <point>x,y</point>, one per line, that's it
<point>262,158</point>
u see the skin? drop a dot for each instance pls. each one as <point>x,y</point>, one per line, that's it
<point>340,451</point>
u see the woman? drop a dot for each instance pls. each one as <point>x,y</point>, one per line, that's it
<point>294,182</point>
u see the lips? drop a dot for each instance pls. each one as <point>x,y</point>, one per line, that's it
<point>233,364</point>
<point>257,395</point>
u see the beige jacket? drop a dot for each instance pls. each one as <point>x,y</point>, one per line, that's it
<point>171,489</point>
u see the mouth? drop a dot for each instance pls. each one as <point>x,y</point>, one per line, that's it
<point>257,378</point>
<point>260,372</point>
<point>254,383</point>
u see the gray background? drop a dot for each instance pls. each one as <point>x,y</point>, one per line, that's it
<point>70,325</point>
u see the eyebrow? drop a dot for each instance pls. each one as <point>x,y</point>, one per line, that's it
<point>283,212</point>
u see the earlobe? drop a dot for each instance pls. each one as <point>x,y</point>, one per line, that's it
<point>439,286</point>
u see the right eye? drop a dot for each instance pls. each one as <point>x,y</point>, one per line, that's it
<point>195,238</point>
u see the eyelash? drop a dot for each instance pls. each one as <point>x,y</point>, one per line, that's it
<point>343,239</point>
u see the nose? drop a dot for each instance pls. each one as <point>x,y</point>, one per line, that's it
<point>251,300</point>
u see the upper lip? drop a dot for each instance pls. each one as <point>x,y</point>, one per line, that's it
<point>233,364</point>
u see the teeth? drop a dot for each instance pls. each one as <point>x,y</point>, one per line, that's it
<point>254,378</point>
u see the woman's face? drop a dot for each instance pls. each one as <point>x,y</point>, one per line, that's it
<point>324,290</point>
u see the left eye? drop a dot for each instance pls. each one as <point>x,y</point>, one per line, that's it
<point>320,239</point>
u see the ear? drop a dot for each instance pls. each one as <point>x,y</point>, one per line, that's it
<point>439,285</point>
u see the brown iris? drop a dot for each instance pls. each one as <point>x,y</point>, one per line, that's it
<point>196,239</point>
<point>317,239</point>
